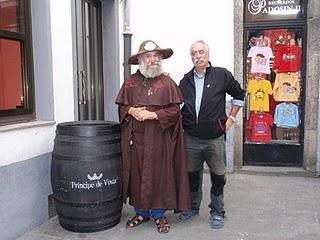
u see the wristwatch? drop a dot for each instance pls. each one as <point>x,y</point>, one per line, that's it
<point>232,118</point>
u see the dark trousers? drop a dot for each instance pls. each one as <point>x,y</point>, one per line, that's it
<point>212,152</point>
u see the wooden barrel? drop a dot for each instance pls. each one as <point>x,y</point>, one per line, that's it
<point>86,175</point>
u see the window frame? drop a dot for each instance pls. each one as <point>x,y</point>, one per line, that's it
<point>24,36</point>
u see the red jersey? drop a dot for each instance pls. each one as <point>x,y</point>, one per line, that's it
<point>278,38</point>
<point>260,127</point>
<point>288,59</point>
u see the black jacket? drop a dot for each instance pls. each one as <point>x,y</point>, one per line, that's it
<point>212,116</point>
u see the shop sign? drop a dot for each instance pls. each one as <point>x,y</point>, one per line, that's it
<point>266,10</point>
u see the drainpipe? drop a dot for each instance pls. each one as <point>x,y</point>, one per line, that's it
<point>318,147</point>
<point>127,36</point>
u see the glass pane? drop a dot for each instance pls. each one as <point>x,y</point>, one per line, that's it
<point>9,15</point>
<point>11,91</point>
<point>274,85</point>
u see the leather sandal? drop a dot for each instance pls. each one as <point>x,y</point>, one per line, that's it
<point>136,221</point>
<point>162,225</point>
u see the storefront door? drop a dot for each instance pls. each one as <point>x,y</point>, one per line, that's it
<point>89,60</point>
<point>274,72</point>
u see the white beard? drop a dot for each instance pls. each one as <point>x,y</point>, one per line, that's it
<point>151,71</point>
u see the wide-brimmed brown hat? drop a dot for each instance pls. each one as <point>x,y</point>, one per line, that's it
<point>149,46</point>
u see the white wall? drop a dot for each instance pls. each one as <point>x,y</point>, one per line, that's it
<point>176,24</point>
<point>61,32</point>
<point>24,143</point>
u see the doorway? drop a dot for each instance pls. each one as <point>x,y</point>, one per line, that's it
<point>88,22</point>
<point>275,85</point>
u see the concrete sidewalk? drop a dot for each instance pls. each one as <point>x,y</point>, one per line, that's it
<point>258,207</point>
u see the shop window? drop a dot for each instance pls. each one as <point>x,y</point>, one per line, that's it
<point>274,86</point>
<point>16,80</point>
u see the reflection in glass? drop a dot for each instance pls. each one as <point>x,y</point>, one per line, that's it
<point>9,13</point>
<point>11,92</point>
<point>273,85</point>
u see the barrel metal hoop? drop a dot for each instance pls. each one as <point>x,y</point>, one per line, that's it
<point>86,158</point>
<point>89,142</point>
<point>87,132</point>
<point>73,204</point>
<point>94,219</point>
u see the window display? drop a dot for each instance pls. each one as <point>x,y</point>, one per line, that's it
<point>273,84</point>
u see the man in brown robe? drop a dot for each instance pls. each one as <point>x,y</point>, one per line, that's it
<point>155,174</point>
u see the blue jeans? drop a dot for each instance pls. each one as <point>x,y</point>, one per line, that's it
<point>153,213</point>
<point>211,151</point>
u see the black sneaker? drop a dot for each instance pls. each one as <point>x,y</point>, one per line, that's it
<point>187,216</point>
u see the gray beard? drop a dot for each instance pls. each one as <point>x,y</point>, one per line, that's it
<point>151,71</point>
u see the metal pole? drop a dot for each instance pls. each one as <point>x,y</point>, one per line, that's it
<point>126,54</point>
<point>127,36</point>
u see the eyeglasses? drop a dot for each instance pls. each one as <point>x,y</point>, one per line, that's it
<point>199,52</point>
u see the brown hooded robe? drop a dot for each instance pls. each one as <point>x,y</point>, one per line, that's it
<point>155,173</point>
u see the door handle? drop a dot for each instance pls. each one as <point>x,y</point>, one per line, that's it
<point>83,77</point>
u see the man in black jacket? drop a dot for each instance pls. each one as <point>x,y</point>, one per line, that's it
<point>205,122</point>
